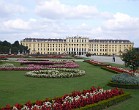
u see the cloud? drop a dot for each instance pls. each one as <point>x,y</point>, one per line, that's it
<point>122,22</point>
<point>9,9</point>
<point>120,26</point>
<point>54,9</point>
<point>16,24</point>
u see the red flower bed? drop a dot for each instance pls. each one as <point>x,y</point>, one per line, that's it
<point>69,101</point>
<point>3,57</point>
<point>117,69</point>
<point>96,63</point>
<point>66,65</point>
<point>52,64</point>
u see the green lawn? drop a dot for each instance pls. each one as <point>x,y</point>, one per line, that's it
<point>16,88</point>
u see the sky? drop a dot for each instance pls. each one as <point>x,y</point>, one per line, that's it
<point>95,19</point>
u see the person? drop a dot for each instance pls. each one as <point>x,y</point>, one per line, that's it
<point>113,58</point>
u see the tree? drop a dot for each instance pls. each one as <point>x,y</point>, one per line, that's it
<point>5,47</point>
<point>131,59</point>
<point>16,44</point>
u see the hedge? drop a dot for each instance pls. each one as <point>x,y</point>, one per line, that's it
<point>106,103</point>
<point>126,86</point>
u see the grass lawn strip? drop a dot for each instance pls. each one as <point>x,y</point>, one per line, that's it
<point>20,89</point>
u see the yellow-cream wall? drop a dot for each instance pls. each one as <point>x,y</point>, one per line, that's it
<point>77,45</point>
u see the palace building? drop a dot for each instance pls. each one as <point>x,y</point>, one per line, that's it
<point>77,45</point>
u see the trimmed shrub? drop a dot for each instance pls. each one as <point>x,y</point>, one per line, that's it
<point>106,103</point>
<point>126,79</point>
<point>126,86</point>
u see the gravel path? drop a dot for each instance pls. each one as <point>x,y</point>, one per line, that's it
<point>106,59</point>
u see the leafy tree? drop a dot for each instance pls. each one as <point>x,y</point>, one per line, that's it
<point>16,44</point>
<point>14,50</point>
<point>5,47</point>
<point>5,43</point>
<point>131,59</point>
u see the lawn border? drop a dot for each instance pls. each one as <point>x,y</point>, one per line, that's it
<point>106,103</point>
<point>126,86</point>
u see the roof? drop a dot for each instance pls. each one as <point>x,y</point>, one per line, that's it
<point>64,40</point>
<point>109,41</point>
<point>42,40</point>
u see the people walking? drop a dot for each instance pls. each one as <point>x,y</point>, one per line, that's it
<point>113,57</point>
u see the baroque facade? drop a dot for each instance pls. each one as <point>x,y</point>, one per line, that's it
<point>77,45</point>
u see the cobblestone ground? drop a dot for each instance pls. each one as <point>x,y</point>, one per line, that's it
<point>107,59</point>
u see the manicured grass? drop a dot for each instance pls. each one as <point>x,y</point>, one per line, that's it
<point>131,104</point>
<point>16,88</point>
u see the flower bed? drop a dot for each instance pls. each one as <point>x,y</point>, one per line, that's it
<point>52,64</point>
<point>20,68</point>
<point>33,65</point>
<point>56,73</point>
<point>3,57</point>
<point>124,81</point>
<point>92,97</point>
<point>114,70</point>
<point>53,56</point>
<point>66,65</point>
<point>21,59</point>
<point>11,67</point>
<point>96,63</point>
<point>117,69</point>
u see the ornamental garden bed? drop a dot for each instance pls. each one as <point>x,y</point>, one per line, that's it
<point>111,70</point>
<point>56,73</point>
<point>11,67</point>
<point>26,88</point>
<point>124,80</point>
<point>117,69</point>
<point>53,56</point>
<point>96,63</point>
<point>52,64</point>
<point>3,57</point>
<point>94,99</point>
<point>38,65</point>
